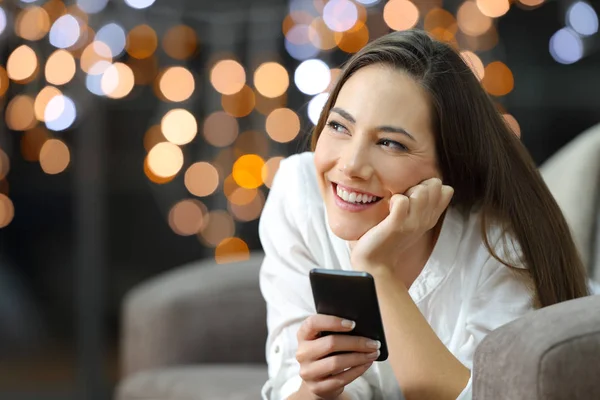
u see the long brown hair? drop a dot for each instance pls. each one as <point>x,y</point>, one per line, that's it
<point>483,160</point>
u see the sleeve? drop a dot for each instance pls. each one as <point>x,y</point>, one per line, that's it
<point>285,284</point>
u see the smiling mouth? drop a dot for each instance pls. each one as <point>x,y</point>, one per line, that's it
<point>352,198</point>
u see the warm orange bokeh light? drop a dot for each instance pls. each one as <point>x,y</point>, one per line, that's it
<point>7,210</point>
<point>176,84</point>
<point>352,40</point>
<point>153,136</point>
<point>239,104</point>
<point>531,3</point>
<point>228,77</point>
<point>238,195</point>
<point>498,79</point>
<point>493,8</point>
<point>20,113</point>
<point>55,9</point>
<point>249,211</point>
<point>4,164</point>
<point>201,179</point>
<point>439,18</point>
<point>54,156</point>
<point>42,100</point>
<point>94,53</point>
<point>283,125</point>
<point>252,142</point>
<point>165,160</point>
<point>60,67</point>
<point>271,79</point>
<point>220,129</point>
<point>22,64</point>
<point>32,23</point>
<point>187,217</point>
<point>220,226</point>
<point>32,142</point>
<point>400,15</point>
<point>231,250</point>
<point>513,124</point>
<point>320,35</point>
<point>117,81</point>
<point>141,42</point>
<point>180,42</point>
<point>471,21</point>
<point>474,62</point>
<point>4,81</point>
<point>247,171</point>
<point>270,169</point>
<point>179,126</point>
<point>159,180</point>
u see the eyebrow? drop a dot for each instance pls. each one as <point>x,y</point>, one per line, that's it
<point>384,128</point>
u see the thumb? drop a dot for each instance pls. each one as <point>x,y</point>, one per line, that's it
<point>399,206</point>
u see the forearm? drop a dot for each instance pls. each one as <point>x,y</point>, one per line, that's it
<point>303,394</point>
<point>423,366</point>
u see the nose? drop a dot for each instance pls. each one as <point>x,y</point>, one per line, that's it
<point>354,161</point>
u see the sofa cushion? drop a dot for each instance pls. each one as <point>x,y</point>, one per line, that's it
<point>214,382</point>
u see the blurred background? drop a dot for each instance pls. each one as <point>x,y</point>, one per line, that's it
<point>140,135</point>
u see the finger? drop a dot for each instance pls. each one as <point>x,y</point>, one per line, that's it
<point>335,365</point>
<point>312,326</point>
<point>335,343</point>
<point>446,194</point>
<point>418,208</point>
<point>338,381</point>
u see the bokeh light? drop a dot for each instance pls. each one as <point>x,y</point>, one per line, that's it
<point>247,171</point>
<point>265,105</point>
<point>4,81</point>
<point>165,159</point>
<point>566,46</point>
<point>220,129</point>
<point>270,169</point>
<point>60,67</point>
<point>93,81</point>
<point>152,177</point>
<point>42,100</point>
<point>440,23</point>
<point>219,227</point>
<point>139,4</point>
<point>239,104</point>
<point>252,142</point>
<point>298,42</point>
<point>180,42</point>
<point>493,8</point>
<point>60,113</point>
<point>368,2</point>
<point>92,55</point>
<point>484,42</point>
<point>315,106</point>
<point>400,15</point>
<point>32,141</point>
<point>471,20</point>
<point>92,6</point>
<point>54,156</point>
<point>228,77</point>
<point>513,124</point>
<point>201,179</point>
<point>352,40</point>
<point>498,79</point>
<point>176,84</point>
<point>32,23</point>
<point>7,210</point>
<point>312,76</point>
<point>249,211</point>
<point>20,113</point>
<point>153,136</point>
<point>231,250</point>
<point>141,42</point>
<point>4,164</point>
<point>65,31</point>
<point>283,125</point>
<point>271,79</point>
<point>474,62</point>
<point>2,20</point>
<point>22,64</point>
<point>113,35</point>
<point>187,217</point>
<point>179,126</point>
<point>117,81</point>
<point>55,9</point>
<point>145,70</point>
<point>582,18</point>
<point>320,35</point>
<point>340,15</point>
<point>531,3</point>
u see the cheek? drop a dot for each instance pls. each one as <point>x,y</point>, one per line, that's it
<point>400,178</point>
<point>324,156</point>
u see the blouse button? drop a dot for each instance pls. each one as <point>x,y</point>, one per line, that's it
<point>277,349</point>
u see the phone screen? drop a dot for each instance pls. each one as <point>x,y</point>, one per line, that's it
<point>351,295</point>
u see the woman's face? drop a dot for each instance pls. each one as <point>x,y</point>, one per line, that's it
<point>377,142</point>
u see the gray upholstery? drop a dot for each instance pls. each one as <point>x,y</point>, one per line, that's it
<point>551,354</point>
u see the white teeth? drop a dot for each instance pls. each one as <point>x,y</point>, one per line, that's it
<point>352,197</point>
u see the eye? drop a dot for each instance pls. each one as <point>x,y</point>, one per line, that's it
<point>337,127</point>
<point>393,144</point>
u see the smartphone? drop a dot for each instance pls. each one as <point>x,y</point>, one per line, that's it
<point>350,295</point>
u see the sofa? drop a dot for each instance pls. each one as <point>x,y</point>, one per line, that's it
<point>198,332</point>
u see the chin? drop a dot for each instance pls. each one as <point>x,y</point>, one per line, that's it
<point>348,230</point>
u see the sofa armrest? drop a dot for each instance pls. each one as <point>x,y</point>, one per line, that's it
<point>199,313</point>
<point>549,354</point>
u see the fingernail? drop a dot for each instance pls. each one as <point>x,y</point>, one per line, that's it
<point>374,344</point>
<point>373,355</point>
<point>348,324</point>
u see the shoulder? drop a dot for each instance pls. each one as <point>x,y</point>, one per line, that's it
<point>296,180</point>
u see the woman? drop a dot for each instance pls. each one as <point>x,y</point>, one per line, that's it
<point>415,178</point>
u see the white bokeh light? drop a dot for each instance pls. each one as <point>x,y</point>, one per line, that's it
<point>312,76</point>
<point>93,81</point>
<point>340,15</point>
<point>582,18</point>
<point>368,2</point>
<point>114,37</point>
<point>139,4</point>
<point>566,46</point>
<point>60,113</point>
<point>92,6</point>
<point>2,20</point>
<point>65,32</point>
<point>315,106</point>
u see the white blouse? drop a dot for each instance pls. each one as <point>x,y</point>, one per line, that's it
<point>463,292</point>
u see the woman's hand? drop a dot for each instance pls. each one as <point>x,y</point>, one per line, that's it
<point>411,215</point>
<point>324,375</point>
